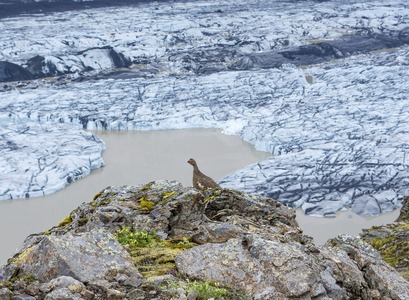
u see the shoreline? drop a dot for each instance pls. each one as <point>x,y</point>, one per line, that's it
<point>345,222</point>
<point>138,157</point>
<point>131,157</point>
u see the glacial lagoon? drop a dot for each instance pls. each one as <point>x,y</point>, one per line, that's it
<point>138,157</point>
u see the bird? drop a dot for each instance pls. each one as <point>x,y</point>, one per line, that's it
<point>200,180</point>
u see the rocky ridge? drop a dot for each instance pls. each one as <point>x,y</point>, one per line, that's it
<point>87,61</point>
<point>164,241</point>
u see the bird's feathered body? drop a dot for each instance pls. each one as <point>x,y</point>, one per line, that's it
<point>200,180</point>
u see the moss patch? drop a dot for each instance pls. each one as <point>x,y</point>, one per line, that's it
<point>25,277</point>
<point>105,201</point>
<point>97,196</point>
<point>209,290</point>
<point>152,256</point>
<point>208,199</point>
<point>394,248</point>
<point>147,187</point>
<point>206,290</point>
<point>403,226</point>
<point>9,283</point>
<point>5,284</point>
<point>135,238</point>
<point>381,243</point>
<point>167,195</point>
<point>145,204</point>
<point>66,221</point>
<point>395,253</point>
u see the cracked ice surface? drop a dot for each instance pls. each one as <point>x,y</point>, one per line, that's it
<point>38,160</point>
<point>346,140</point>
<point>338,130</point>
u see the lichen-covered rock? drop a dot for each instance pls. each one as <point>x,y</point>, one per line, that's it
<point>64,282</point>
<point>346,268</point>
<point>84,256</point>
<point>225,243</point>
<point>263,268</point>
<point>377,273</point>
<point>5,294</point>
<point>391,240</point>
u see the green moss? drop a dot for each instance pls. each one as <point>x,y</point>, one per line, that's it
<point>5,284</point>
<point>166,195</point>
<point>206,290</point>
<point>145,204</point>
<point>404,226</point>
<point>97,196</point>
<point>135,238</point>
<point>379,243</point>
<point>217,192</point>
<point>208,199</point>
<point>154,261</point>
<point>392,251</point>
<point>66,221</point>
<point>395,254</point>
<point>209,290</point>
<point>24,277</point>
<point>152,256</point>
<point>147,187</point>
<point>394,248</point>
<point>27,278</point>
<point>105,201</point>
<point>47,232</point>
<point>183,244</point>
<point>94,204</point>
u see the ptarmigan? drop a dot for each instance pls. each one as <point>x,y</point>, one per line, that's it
<point>200,180</point>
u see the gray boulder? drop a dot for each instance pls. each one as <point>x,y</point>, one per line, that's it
<point>346,268</point>
<point>87,257</point>
<point>5,294</point>
<point>263,268</point>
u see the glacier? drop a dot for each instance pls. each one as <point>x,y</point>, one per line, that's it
<point>322,86</point>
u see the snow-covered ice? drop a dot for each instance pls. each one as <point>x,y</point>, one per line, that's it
<point>337,126</point>
<point>38,160</point>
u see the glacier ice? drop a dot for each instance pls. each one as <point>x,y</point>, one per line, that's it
<point>336,127</point>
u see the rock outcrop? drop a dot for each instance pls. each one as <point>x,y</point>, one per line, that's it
<point>164,241</point>
<point>98,59</point>
<point>92,59</point>
<point>13,72</point>
<point>391,240</point>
